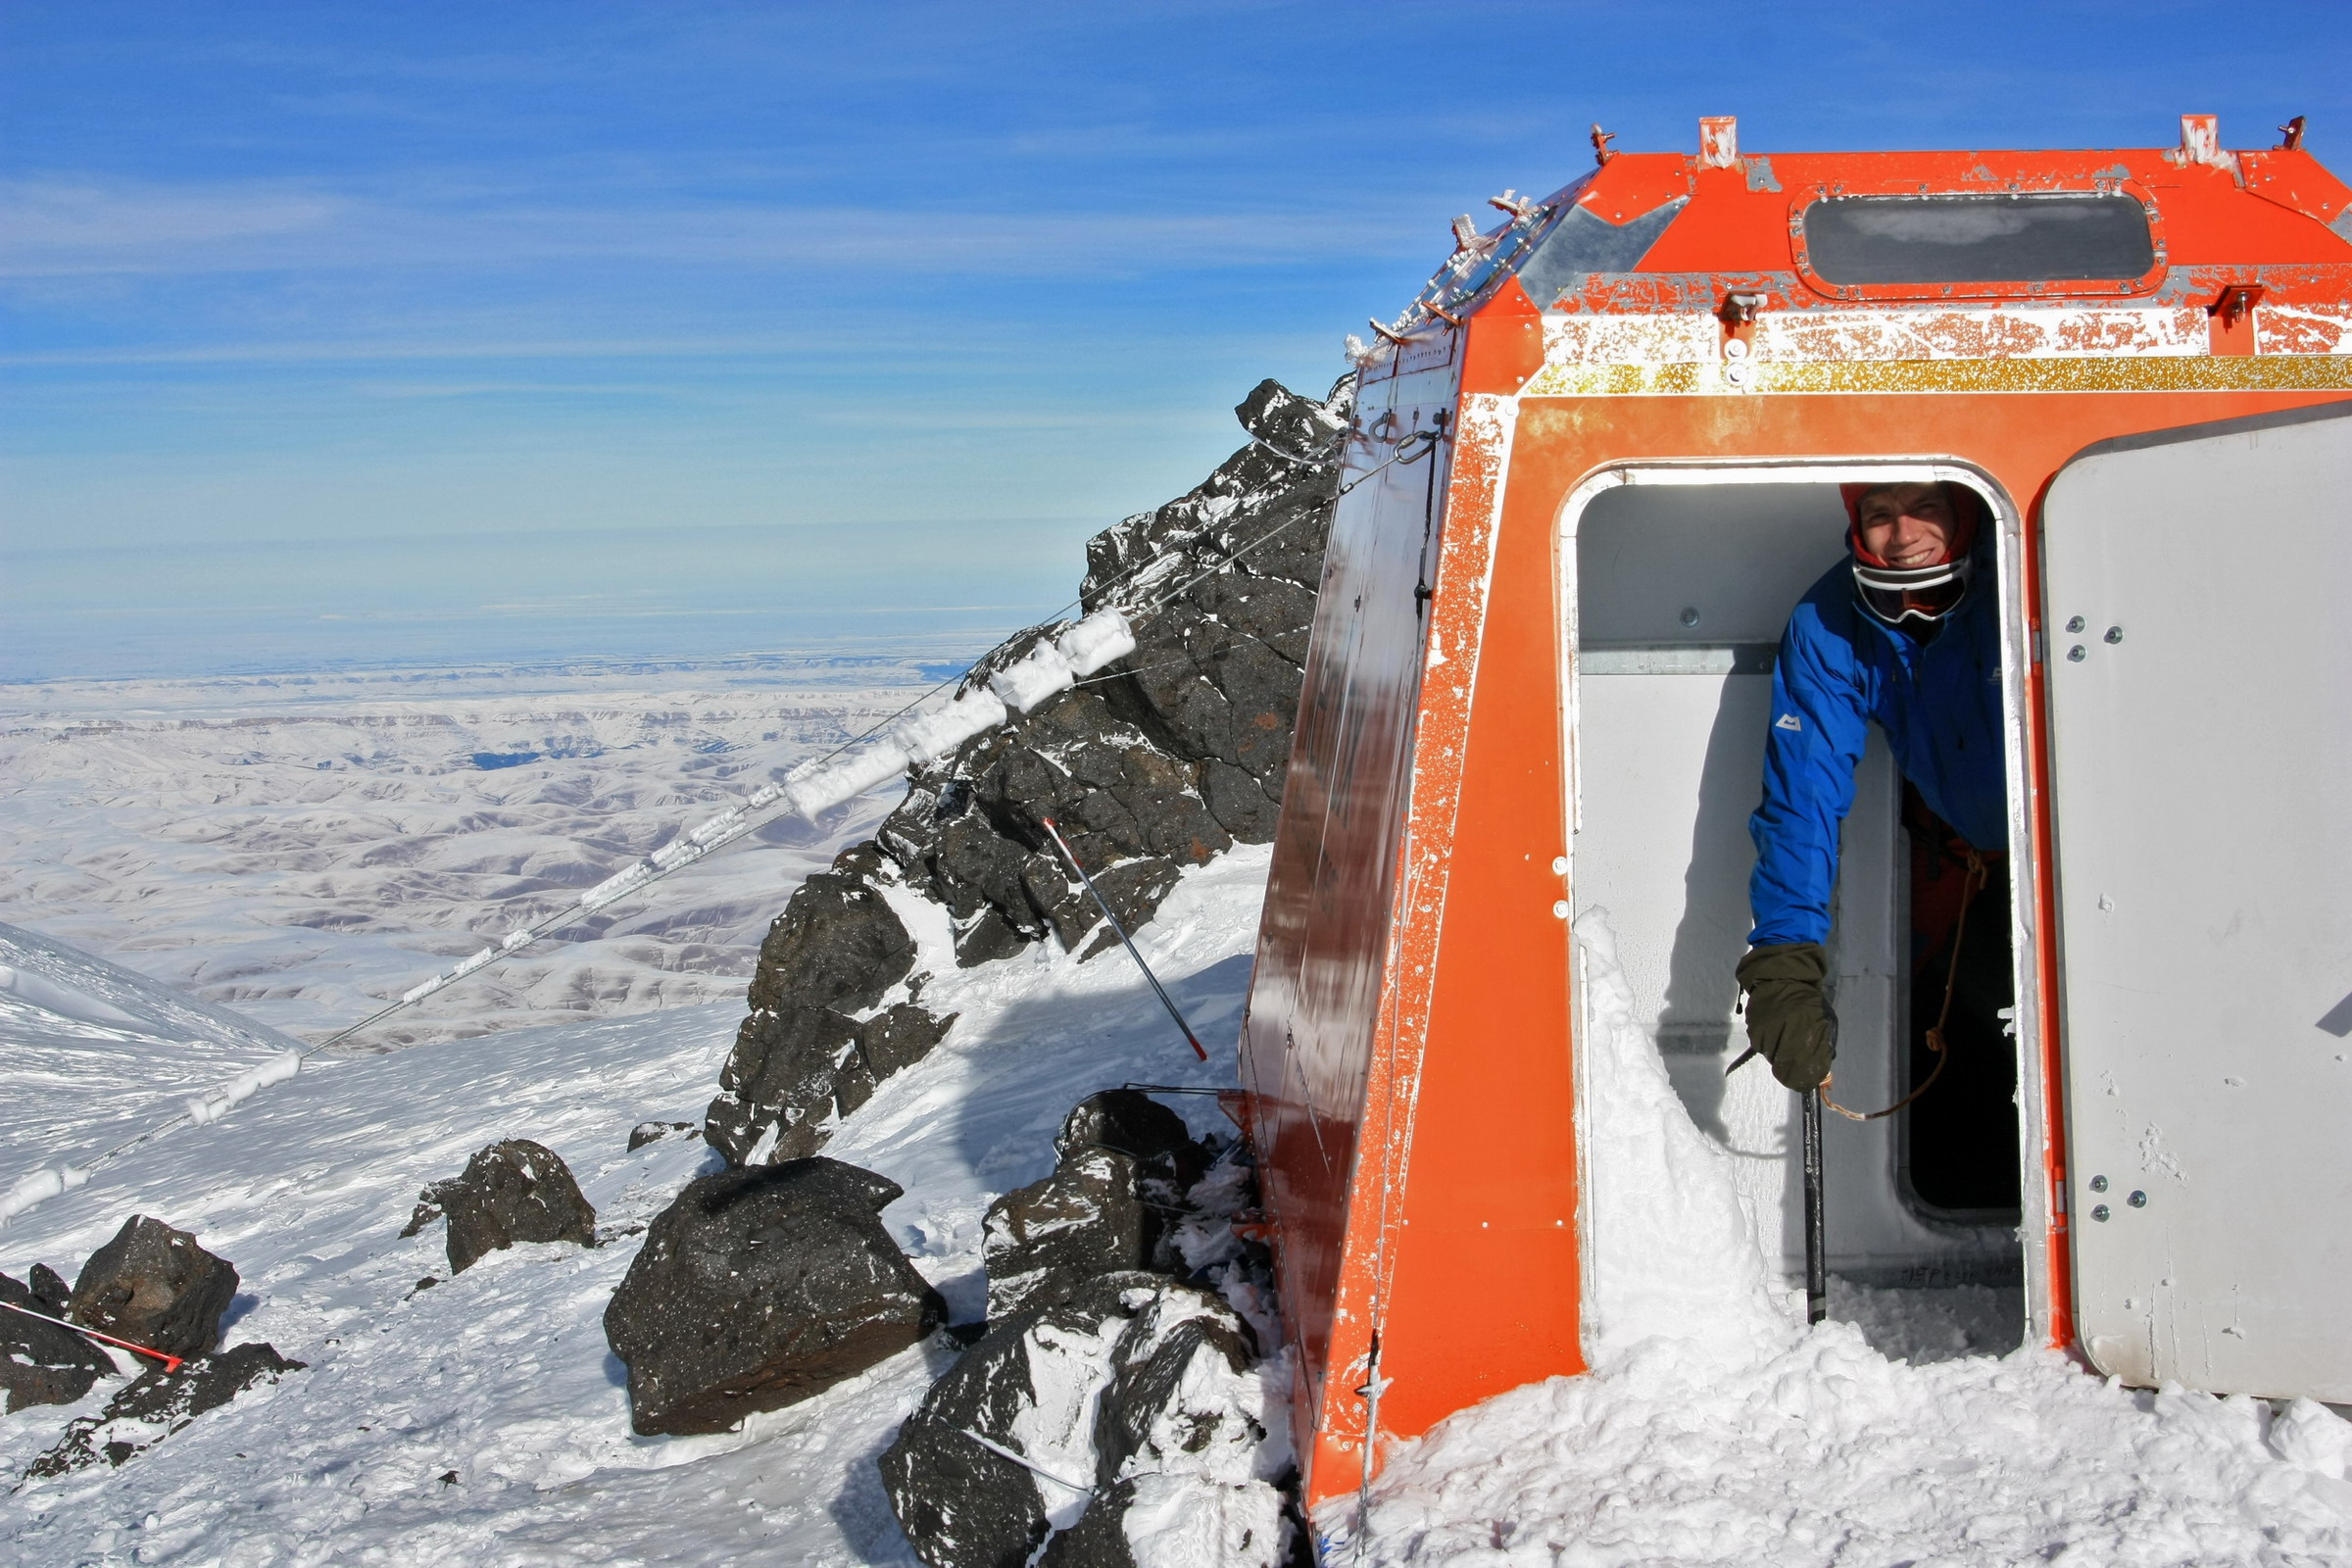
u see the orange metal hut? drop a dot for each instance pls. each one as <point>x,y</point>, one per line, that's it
<point>1596,463</point>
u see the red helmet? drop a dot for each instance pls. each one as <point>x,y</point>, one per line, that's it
<point>1896,594</point>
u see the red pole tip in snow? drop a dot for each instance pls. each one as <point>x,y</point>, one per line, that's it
<point>171,1363</point>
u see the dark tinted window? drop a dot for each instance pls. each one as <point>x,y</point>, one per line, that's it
<point>1977,239</point>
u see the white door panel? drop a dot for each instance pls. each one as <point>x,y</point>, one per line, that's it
<point>2198,610</point>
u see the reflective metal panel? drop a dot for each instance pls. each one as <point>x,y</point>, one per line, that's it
<point>1307,1043</point>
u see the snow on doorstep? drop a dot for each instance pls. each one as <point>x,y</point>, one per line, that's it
<point>1715,1427</point>
<point>499,1379</point>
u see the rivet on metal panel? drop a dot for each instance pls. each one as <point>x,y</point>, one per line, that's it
<point>2098,1184</point>
<point>2075,623</point>
<point>1690,616</point>
<point>2076,654</point>
<point>2137,1200</point>
<point>2115,634</point>
<point>1559,866</point>
<point>2100,1213</point>
<point>1559,909</point>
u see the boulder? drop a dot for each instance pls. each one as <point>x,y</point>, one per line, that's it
<point>1136,1392</point>
<point>42,1363</point>
<point>759,1288</point>
<point>837,944</point>
<point>159,1404</point>
<point>50,1292</point>
<point>514,1190</point>
<point>1140,1127</point>
<point>1041,1241</point>
<point>891,1040</point>
<point>647,1131</point>
<point>154,1286</point>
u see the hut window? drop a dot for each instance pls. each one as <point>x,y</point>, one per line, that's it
<point>1978,239</point>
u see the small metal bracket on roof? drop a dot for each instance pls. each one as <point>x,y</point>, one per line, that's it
<point>1602,152</point>
<point>2291,136</point>
<point>1719,141</point>
<point>1390,333</point>
<point>1467,240</point>
<point>2201,142</point>
<point>1441,313</point>
<point>1510,201</point>
<point>2236,301</point>
<point>1739,310</point>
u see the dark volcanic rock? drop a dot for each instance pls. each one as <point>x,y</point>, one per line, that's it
<point>155,1286</point>
<point>1136,1125</point>
<point>760,1288</point>
<point>802,1056</point>
<point>42,1363</point>
<point>1106,1384</point>
<point>837,944</point>
<point>158,1404</point>
<point>1041,1241</point>
<point>514,1190</point>
<point>50,1292</point>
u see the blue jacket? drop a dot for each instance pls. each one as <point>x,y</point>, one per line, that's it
<point>1939,704</point>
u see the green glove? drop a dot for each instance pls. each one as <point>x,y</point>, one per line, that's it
<point>1789,1020</point>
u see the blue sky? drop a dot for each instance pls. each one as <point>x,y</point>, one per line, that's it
<point>348,331</point>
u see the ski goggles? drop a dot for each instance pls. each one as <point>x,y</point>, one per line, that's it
<point>1926,594</point>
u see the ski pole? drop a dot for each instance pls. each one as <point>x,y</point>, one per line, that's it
<point>171,1363</point>
<point>1817,1278</point>
<point>1103,904</point>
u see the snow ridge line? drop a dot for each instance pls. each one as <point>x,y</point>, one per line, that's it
<point>1050,667</point>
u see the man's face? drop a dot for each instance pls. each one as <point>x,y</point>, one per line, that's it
<point>1907,524</point>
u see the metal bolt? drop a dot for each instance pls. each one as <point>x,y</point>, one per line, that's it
<point>2075,655</point>
<point>1559,910</point>
<point>2075,624</point>
<point>2100,1213</point>
<point>1559,866</point>
<point>2137,1200</point>
<point>2115,634</point>
<point>1691,616</point>
<point>2098,1184</point>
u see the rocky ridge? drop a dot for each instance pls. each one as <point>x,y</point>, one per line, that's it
<point>1165,759</point>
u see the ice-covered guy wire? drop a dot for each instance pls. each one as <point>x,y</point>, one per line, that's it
<point>904,738</point>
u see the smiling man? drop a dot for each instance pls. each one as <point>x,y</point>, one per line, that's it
<point>1904,634</point>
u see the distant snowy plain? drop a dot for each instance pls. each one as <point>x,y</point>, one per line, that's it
<point>301,846</point>
<point>177,832</point>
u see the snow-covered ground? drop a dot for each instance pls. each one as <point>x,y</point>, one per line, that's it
<point>298,847</point>
<point>500,1377</point>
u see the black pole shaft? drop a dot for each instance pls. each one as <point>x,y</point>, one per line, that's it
<point>1103,904</point>
<point>1817,1263</point>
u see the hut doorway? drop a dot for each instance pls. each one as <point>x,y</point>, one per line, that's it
<point>1677,581</point>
